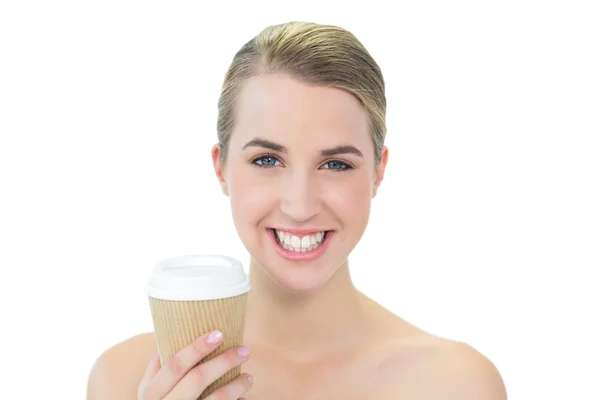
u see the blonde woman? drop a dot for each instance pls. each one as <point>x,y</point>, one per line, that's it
<point>301,153</point>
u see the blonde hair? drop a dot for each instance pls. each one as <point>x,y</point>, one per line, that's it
<point>320,55</point>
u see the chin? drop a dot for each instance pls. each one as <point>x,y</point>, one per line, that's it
<point>293,273</point>
<point>293,279</point>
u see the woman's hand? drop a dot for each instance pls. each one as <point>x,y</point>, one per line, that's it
<point>180,378</point>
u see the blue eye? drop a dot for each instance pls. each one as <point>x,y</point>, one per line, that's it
<point>337,165</point>
<point>265,161</point>
<point>270,161</point>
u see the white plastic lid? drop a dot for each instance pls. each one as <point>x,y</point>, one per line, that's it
<point>194,277</point>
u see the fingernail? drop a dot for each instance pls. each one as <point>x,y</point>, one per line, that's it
<point>214,337</point>
<point>250,378</point>
<point>243,351</point>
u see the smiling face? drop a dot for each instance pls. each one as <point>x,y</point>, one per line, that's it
<point>300,172</point>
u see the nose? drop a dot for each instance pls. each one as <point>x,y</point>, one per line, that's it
<point>300,197</point>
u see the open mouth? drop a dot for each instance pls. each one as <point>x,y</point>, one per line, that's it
<point>297,243</point>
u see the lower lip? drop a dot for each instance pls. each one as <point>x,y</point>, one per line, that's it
<point>300,256</point>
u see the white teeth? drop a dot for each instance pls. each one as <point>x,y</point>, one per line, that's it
<point>305,242</point>
<point>297,244</point>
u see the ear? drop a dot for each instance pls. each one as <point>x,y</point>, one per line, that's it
<point>216,158</point>
<point>380,170</point>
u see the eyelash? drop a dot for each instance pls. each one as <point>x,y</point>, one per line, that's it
<point>347,167</point>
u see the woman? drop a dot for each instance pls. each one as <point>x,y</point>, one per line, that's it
<point>301,153</point>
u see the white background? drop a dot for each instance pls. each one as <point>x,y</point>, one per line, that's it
<point>486,229</point>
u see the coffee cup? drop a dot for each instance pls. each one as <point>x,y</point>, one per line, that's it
<point>195,294</point>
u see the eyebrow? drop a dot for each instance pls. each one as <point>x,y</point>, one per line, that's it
<point>267,144</point>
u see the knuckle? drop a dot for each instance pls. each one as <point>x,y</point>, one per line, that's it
<point>175,365</point>
<point>198,349</point>
<point>198,376</point>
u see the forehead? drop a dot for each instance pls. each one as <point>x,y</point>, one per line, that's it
<point>280,107</point>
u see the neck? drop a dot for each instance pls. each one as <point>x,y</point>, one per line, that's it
<point>304,325</point>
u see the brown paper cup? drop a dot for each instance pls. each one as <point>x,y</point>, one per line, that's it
<point>179,323</point>
<point>179,317</point>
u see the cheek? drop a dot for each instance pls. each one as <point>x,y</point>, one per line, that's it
<point>349,198</point>
<point>251,197</point>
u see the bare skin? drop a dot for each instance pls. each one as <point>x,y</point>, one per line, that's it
<point>311,333</point>
<point>398,361</point>
<point>349,370</point>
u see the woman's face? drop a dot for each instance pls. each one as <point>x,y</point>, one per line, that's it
<point>300,173</point>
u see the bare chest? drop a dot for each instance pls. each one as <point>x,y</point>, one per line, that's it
<point>346,380</point>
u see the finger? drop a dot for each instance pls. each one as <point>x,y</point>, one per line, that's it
<point>153,367</point>
<point>198,379</point>
<point>233,390</point>
<point>182,362</point>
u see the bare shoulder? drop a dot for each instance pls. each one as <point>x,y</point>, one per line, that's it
<point>415,364</point>
<point>430,367</point>
<point>117,372</point>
